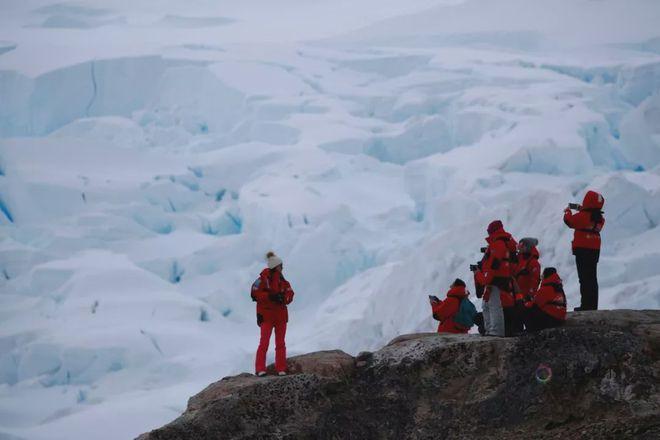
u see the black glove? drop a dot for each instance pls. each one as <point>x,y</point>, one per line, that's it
<point>276,298</point>
<point>479,290</point>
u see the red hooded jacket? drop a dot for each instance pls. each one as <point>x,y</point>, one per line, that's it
<point>587,222</point>
<point>528,274</point>
<point>550,298</point>
<point>444,311</point>
<point>496,267</point>
<point>272,282</point>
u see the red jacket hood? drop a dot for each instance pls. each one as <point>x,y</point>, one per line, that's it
<point>552,279</point>
<point>593,200</point>
<point>500,233</point>
<point>457,292</point>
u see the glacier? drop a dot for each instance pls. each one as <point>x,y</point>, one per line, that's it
<point>152,152</point>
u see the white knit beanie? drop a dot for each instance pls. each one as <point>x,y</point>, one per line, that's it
<point>273,260</point>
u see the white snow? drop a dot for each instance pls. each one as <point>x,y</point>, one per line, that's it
<point>152,152</point>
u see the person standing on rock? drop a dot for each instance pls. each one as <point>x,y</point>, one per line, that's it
<point>587,222</point>
<point>547,308</point>
<point>447,311</point>
<point>495,274</point>
<point>527,275</point>
<point>272,293</point>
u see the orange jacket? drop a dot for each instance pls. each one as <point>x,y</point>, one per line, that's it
<point>587,222</point>
<point>496,266</point>
<point>550,298</point>
<point>528,274</point>
<point>496,262</point>
<point>444,311</point>
<point>272,282</point>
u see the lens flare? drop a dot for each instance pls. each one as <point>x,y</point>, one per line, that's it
<point>543,374</point>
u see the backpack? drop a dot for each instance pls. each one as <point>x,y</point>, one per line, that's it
<point>257,284</point>
<point>466,314</point>
<point>254,288</point>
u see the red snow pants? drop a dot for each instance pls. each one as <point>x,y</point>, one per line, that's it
<point>280,347</point>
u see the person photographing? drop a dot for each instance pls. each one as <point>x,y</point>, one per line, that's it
<point>588,222</point>
<point>495,274</point>
<point>456,312</point>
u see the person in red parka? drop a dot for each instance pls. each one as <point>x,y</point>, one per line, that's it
<point>527,275</point>
<point>273,293</point>
<point>547,308</point>
<point>528,269</point>
<point>495,274</point>
<point>445,311</point>
<point>587,222</point>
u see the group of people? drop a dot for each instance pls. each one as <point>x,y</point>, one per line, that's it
<point>516,294</point>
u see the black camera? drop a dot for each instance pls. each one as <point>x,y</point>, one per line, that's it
<point>474,267</point>
<point>575,206</point>
<point>483,250</point>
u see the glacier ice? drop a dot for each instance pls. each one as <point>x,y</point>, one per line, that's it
<point>144,176</point>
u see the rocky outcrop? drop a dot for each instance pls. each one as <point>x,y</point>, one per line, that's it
<point>598,377</point>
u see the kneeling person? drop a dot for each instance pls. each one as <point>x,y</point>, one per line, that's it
<point>548,306</point>
<point>456,313</point>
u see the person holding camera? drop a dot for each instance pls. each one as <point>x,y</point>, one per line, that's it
<point>479,293</point>
<point>272,293</point>
<point>495,274</point>
<point>547,307</point>
<point>588,222</point>
<point>447,311</point>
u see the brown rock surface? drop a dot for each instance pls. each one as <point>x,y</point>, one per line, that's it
<point>329,363</point>
<point>605,384</point>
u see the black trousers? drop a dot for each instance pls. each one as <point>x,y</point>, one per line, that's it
<point>479,321</point>
<point>536,319</point>
<point>586,261</point>
<point>513,321</point>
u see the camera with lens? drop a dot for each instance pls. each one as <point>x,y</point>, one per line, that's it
<point>575,206</point>
<point>475,267</point>
<point>483,250</point>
